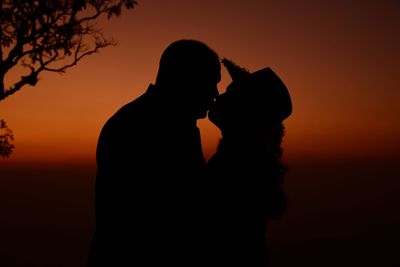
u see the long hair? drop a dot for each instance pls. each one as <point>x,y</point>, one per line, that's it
<point>275,172</point>
<point>262,160</point>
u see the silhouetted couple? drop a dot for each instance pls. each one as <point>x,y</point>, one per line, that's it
<point>158,203</point>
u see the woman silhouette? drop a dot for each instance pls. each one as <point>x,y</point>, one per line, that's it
<point>246,173</point>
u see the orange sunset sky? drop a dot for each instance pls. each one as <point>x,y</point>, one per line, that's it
<point>339,60</point>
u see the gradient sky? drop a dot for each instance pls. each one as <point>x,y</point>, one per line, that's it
<point>339,60</point>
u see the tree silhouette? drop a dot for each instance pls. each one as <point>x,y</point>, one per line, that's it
<point>50,35</point>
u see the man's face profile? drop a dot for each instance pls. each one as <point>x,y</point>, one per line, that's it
<point>191,71</point>
<point>204,90</point>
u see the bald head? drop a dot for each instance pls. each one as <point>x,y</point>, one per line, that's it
<point>186,61</point>
<point>188,73</point>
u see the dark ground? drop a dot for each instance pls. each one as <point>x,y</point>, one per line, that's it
<point>343,214</point>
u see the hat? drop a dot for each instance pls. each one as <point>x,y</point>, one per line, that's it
<point>264,90</point>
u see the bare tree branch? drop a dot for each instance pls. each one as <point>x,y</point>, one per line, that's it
<point>39,33</point>
<point>48,35</point>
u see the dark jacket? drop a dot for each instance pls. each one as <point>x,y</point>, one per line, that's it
<point>150,167</point>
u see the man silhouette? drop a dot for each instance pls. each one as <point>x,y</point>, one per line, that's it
<point>150,166</point>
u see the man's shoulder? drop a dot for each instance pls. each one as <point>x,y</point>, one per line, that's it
<point>130,113</point>
<point>134,109</point>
